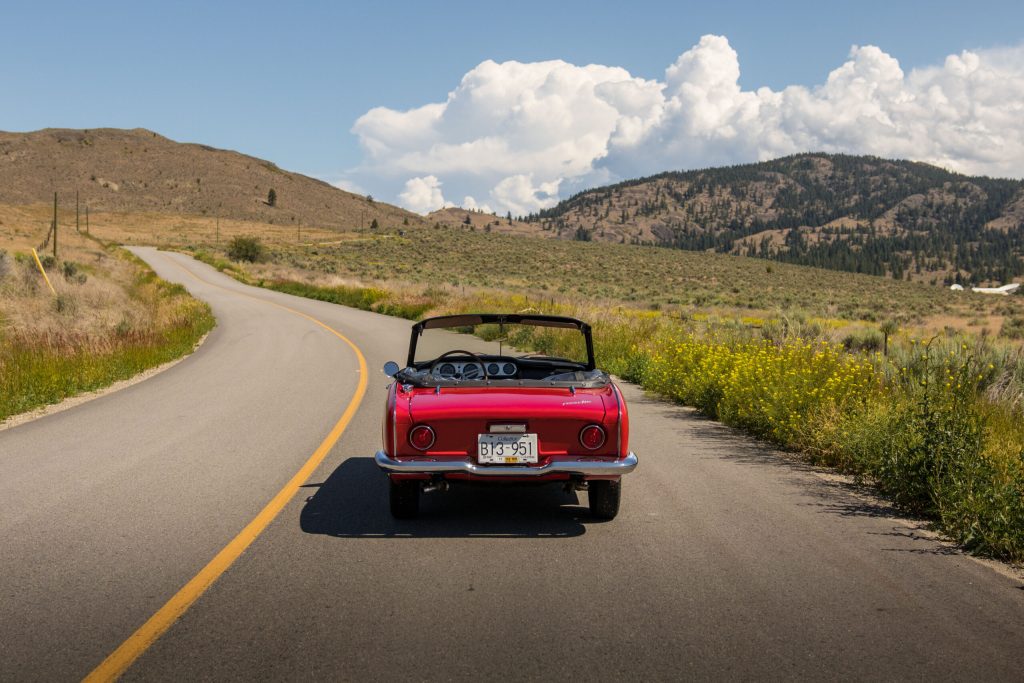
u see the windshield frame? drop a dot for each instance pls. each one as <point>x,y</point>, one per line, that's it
<point>475,319</point>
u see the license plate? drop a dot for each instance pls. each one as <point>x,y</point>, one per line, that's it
<point>506,449</point>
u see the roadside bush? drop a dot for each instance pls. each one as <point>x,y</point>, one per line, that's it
<point>355,297</point>
<point>409,311</point>
<point>864,340</point>
<point>222,265</point>
<point>768,389</point>
<point>1012,328</point>
<point>5,264</point>
<point>71,272</point>
<point>65,303</point>
<point>1006,384</point>
<point>780,330</point>
<point>937,447</point>
<point>246,249</point>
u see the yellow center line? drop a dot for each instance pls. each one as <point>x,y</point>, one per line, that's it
<point>120,659</point>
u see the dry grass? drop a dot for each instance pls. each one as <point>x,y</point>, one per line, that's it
<point>110,318</point>
<point>90,306</point>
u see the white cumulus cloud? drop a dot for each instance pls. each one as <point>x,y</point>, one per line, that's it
<point>423,195</point>
<point>518,136</point>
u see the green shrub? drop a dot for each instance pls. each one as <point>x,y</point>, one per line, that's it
<point>71,272</point>
<point>355,297</point>
<point>409,311</point>
<point>1012,328</point>
<point>65,303</point>
<point>246,249</point>
<point>864,340</point>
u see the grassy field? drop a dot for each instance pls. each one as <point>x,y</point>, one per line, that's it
<point>455,261</point>
<point>677,283</point>
<point>110,319</point>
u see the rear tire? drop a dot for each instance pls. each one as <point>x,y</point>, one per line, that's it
<point>604,498</point>
<point>405,498</point>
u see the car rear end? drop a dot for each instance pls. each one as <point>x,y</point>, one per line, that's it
<point>506,432</point>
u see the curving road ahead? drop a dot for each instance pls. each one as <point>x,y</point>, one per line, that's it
<point>728,561</point>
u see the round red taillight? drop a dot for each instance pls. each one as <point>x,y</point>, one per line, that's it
<point>421,437</point>
<point>592,437</point>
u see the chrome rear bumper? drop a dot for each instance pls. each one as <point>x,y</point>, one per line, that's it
<point>565,464</point>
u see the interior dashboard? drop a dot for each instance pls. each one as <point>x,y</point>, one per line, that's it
<point>474,370</point>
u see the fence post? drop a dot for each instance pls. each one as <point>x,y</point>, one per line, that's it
<point>54,226</point>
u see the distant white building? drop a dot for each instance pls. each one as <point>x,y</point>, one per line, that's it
<point>1005,290</point>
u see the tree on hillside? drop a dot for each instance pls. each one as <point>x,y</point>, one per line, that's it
<point>272,197</point>
<point>468,220</point>
<point>374,224</point>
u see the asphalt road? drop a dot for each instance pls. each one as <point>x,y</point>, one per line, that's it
<point>727,560</point>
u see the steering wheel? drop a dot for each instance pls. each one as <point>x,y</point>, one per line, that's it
<point>454,352</point>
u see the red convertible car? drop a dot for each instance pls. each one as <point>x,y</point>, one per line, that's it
<point>471,408</point>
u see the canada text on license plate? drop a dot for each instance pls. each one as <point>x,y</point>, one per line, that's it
<point>506,449</point>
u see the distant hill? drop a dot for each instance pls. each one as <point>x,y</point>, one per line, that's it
<point>139,170</point>
<point>478,221</point>
<point>854,213</point>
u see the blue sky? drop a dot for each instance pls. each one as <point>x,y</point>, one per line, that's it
<point>287,81</point>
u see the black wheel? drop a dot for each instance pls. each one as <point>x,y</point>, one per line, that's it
<point>405,498</point>
<point>604,498</point>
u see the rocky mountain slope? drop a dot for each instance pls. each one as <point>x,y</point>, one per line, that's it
<point>855,213</point>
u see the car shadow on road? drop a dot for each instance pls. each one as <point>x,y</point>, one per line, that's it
<point>353,503</point>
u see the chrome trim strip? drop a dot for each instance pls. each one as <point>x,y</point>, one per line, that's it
<point>394,425</point>
<point>564,464</point>
<point>618,426</point>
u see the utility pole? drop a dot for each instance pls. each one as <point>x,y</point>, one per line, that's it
<point>54,226</point>
<point>77,228</point>
<point>218,229</point>
<point>86,219</point>
<point>299,226</point>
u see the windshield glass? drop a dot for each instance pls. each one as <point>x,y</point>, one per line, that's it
<point>506,339</point>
